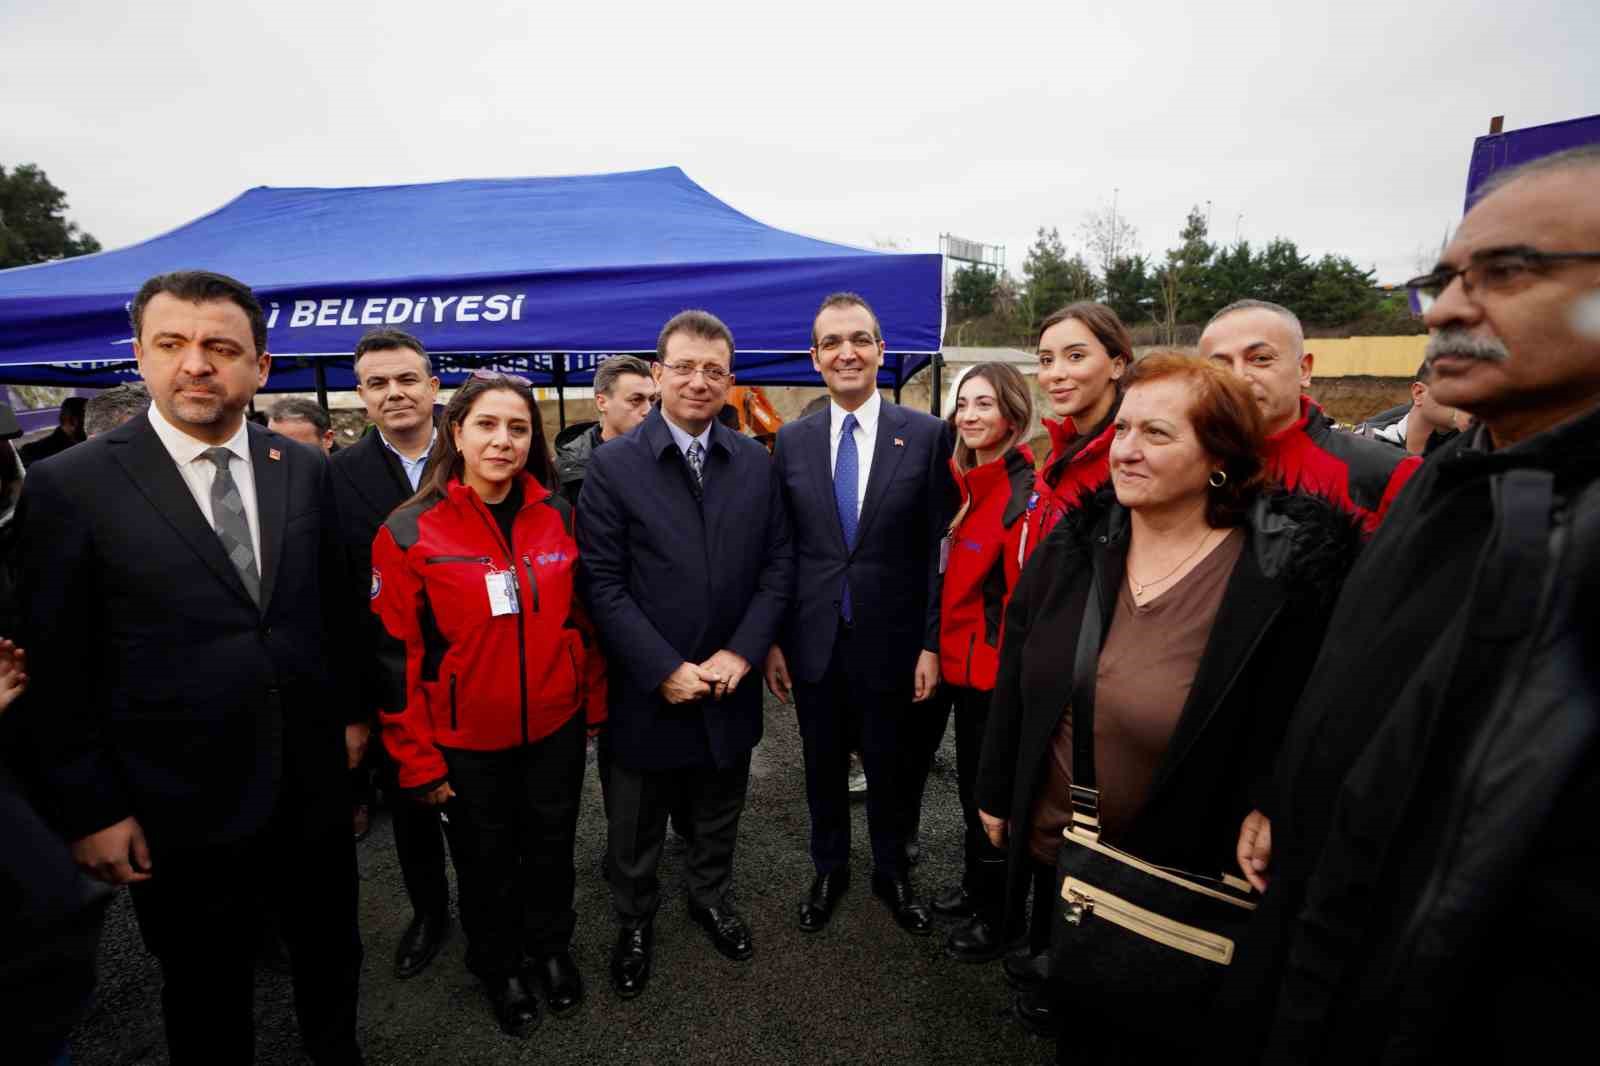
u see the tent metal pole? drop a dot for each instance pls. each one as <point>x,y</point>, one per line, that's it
<point>322,383</point>
<point>937,384</point>
<point>561,393</point>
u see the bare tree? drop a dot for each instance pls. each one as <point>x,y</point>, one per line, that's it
<point>1108,236</point>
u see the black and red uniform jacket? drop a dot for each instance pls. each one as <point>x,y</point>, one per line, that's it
<point>456,675</point>
<point>1063,485</point>
<point>985,555</point>
<point>1359,476</point>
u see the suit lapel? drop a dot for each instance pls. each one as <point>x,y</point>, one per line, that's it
<point>820,460</point>
<point>886,458</point>
<point>149,466</point>
<point>378,477</point>
<point>271,474</point>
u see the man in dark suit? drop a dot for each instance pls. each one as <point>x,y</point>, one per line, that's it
<point>686,570</point>
<point>867,487</point>
<point>395,379</point>
<point>186,614</point>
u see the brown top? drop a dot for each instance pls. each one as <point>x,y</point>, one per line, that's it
<point>1147,666</point>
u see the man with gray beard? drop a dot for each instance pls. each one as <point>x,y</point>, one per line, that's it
<point>1429,847</point>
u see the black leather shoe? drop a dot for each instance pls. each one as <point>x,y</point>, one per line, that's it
<point>515,1008</point>
<point>976,941</point>
<point>420,943</point>
<point>898,895</point>
<point>728,932</point>
<point>1037,1014</point>
<point>630,959</point>
<point>826,891</point>
<point>563,985</point>
<point>1026,971</point>
<point>954,902</point>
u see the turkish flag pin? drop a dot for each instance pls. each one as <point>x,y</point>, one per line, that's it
<point>274,454</point>
<point>898,443</point>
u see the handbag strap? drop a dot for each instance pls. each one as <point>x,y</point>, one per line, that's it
<point>1085,793</point>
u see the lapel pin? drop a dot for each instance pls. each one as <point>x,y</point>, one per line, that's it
<point>274,454</point>
<point>898,443</point>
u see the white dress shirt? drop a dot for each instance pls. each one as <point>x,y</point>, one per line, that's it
<point>682,439</point>
<point>866,433</point>
<point>199,472</point>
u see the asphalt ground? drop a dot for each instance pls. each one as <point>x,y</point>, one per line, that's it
<point>861,991</point>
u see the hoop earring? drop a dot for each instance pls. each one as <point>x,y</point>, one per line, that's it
<point>1217,479</point>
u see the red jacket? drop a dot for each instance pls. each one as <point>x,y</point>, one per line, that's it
<point>1086,471</point>
<point>457,675</point>
<point>1359,476</point>
<point>985,555</point>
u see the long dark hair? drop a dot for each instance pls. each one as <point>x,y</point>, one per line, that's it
<point>447,463</point>
<point>1114,337</point>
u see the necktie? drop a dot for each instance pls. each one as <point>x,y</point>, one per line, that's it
<point>846,472</point>
<point>697,461</point>
<point>227,514</point>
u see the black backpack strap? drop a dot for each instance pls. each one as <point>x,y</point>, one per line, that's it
<point>563,507</point>
<point>1085,665</point>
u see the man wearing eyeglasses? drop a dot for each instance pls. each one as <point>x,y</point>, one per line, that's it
<point>686,569</point>
<point>1430,858</point>
<point>1263,343</point>
<point>868,489</point>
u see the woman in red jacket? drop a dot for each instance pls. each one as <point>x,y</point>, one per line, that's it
<point>983,556</point>
<point>1084,349</point>
<point>491,673</point>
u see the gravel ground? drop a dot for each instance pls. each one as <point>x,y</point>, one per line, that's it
<point>860,992</point>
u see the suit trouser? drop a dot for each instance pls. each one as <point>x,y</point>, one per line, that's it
<point>514,823</point>
<point>419,838</point>
<point>848,710</point>
<point>713,799</point>
<point>200,916</point>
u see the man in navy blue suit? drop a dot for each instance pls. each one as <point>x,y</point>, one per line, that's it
<point>867,488</point>
<point>686,568</point>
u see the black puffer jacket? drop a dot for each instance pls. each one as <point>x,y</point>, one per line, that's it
<point>574,445</point>
<point>1434,895</point>
<point>1262,644</point>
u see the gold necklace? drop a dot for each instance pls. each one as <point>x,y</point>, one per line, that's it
<point>1140,586</point>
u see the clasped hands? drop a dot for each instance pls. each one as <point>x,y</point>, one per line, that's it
<point>716,677</point>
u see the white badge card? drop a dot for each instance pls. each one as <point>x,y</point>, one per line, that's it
<point>502,586</point>
<point>944,553</point>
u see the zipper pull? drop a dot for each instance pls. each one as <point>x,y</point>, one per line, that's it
<point>1079,906</point>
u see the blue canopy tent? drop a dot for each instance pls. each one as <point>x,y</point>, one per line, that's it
<point>537,276</point>
<point>1500,151</point>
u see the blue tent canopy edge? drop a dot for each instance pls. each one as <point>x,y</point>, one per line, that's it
<point>539,276</point>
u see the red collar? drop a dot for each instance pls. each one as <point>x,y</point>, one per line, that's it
<point>1298,426</point>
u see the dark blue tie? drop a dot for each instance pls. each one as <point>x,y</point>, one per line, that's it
<point>846,472</point>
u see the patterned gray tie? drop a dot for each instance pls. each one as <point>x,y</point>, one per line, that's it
<point>697,461</point>
<point>233,529</point>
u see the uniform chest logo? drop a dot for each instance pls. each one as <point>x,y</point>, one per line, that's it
<point>377,583</point>
<point>548,558</point>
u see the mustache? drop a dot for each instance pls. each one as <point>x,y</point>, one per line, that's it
<point>1458,342</point>
<point>190,385</point>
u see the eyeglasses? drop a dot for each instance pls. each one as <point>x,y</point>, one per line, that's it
<point>713,373</point>
<point>1491,272</point>
<point>861,342</point>
<point>495,375</point>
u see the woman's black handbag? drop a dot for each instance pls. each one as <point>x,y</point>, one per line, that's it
<point>1143,944</point>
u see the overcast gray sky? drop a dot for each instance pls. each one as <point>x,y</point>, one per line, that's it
<point>1345,126</point>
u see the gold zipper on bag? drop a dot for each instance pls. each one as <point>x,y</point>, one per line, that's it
<point>1081,900</point>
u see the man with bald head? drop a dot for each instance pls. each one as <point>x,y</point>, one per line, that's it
<point>1263,343</point>
<point>1429,848</point>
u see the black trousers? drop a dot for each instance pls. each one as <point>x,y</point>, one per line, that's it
<point>711,798</point>
<point>200,916</point>
<point>843,713</point>
<point>514,823</point>
<point>419,839</point>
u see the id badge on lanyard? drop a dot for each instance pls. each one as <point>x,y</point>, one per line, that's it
<point>502,585</point>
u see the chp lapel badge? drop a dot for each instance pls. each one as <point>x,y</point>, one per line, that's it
<point>898,443</point>
<point>274,454</point>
